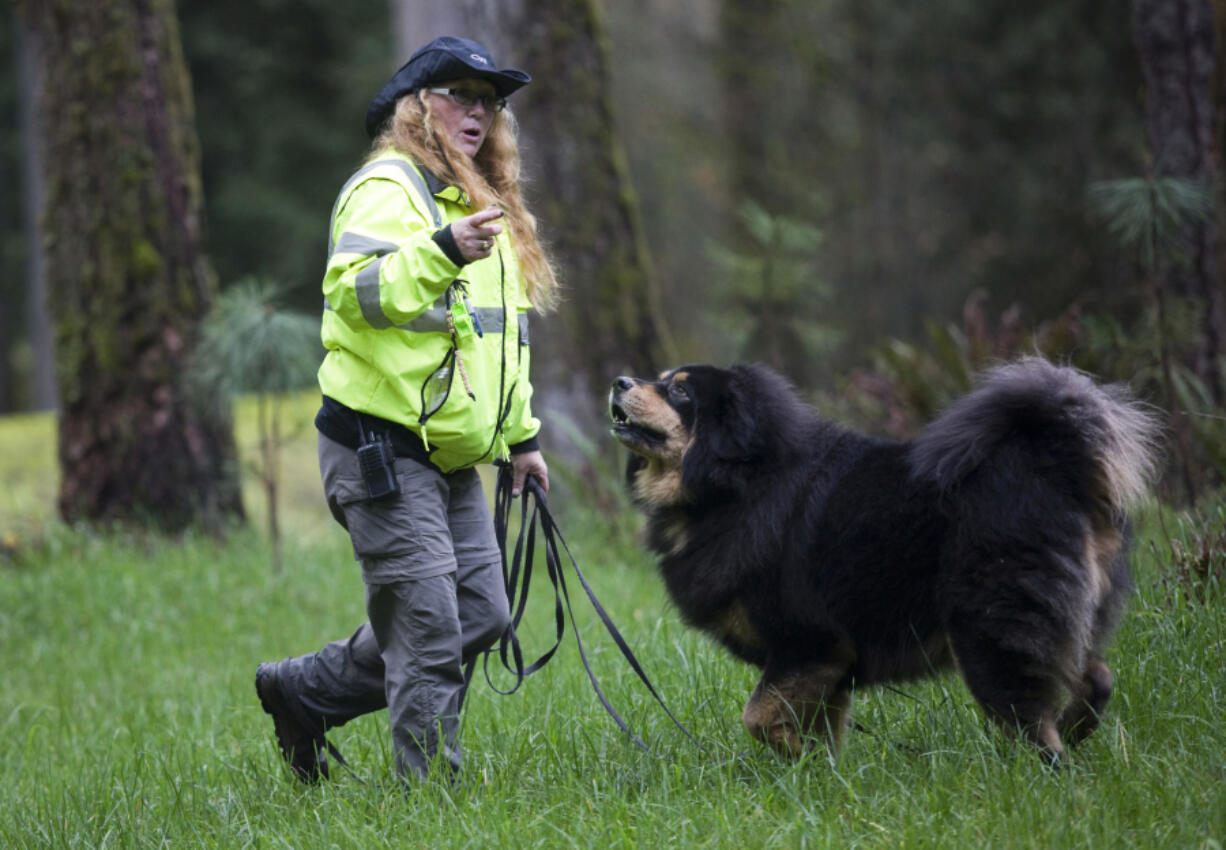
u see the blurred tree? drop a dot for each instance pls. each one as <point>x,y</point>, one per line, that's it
<point>774,298</point>
<point>772,71</point>
<point>668,101</point>
<point>416,22</point>
<point>944,148</point>
<point>281,91</point>
<point>11,248</point>
<point>40,337</point>
<point>582,192</point>
<point>1152,219</point>
<point>1176,43</point>
<point>127,270</point>
<point>27,375</point>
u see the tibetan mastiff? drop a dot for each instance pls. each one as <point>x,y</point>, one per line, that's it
<point>995,542</point>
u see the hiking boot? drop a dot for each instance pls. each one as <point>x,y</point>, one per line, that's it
<point>301,749</point>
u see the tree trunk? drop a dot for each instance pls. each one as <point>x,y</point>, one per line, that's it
<point>38,319</point>
<point>416,22</point>
<point>610,321</point>
<point>127,275</point>
<point>1175,39</point>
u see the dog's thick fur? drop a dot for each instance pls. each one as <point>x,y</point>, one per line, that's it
<point>997,541</point>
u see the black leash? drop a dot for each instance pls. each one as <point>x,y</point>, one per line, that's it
<point>518,576</point>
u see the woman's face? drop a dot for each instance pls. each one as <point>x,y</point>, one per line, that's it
<point>466,126</point>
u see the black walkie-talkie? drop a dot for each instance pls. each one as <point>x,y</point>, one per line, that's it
<point>378,465</point>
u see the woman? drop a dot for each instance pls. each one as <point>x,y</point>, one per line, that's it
<point>433,265</point>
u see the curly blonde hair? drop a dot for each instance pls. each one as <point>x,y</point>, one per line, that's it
<point>490,178</point>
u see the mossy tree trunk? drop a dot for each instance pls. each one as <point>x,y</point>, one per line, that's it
<point>127,276</point>
<point>583,195</point>
<point>1175,39</point>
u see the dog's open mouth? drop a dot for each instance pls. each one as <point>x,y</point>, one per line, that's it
<point>629,431</point>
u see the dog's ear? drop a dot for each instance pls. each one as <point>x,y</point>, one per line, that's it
<point>734,428</point>
<point>733,432</point>
<point>746,422</point>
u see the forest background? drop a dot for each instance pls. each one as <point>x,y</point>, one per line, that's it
<point>876,200</point>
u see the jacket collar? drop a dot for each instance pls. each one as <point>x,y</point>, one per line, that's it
<point>436,185</point>
<point>440,189</point>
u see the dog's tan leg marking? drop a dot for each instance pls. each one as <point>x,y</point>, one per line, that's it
<point>1084,711</point>
<point>1033,717</point>
<point>787,713</point>
<point>1046,736</point>
<point>1043,733</point>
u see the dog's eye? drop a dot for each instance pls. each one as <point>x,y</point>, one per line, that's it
<point>678,392</point>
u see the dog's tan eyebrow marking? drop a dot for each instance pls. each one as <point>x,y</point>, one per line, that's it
<point>681,376</point>
<point>663,376</point>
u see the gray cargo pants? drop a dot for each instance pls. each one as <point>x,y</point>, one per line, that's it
<point>434,597</point>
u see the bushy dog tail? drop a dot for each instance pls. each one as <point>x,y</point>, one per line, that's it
<point>1032,418</point>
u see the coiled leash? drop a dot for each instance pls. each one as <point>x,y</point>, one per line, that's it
<point>518,576</point>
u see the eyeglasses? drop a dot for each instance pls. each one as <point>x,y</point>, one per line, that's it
<point>468,97</point>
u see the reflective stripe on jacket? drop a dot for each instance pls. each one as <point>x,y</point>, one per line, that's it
<point>385,322</point>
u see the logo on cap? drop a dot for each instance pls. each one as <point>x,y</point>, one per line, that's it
<point>478,57</point>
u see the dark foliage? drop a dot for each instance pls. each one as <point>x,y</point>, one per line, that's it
<point>281,92</point>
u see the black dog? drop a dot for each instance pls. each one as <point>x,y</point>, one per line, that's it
<point>996,541</point>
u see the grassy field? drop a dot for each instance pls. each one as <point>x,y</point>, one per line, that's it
<point>128,717</point>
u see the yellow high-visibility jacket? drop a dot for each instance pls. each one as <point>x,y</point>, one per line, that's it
<point>386,323</point>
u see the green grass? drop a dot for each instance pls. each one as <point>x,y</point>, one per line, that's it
<point>128,716</point>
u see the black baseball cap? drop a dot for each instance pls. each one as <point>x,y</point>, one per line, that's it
<point>446,58</point>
